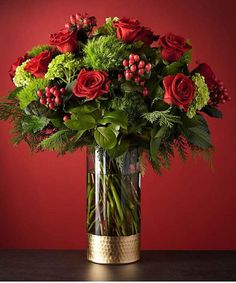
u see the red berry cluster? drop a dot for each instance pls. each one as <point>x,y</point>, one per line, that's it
<point>81,22</point>
<point>135,70</point>
<point>218,94</point>
<point>51,97</point>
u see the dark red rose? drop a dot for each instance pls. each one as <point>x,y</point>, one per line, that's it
<point>173,47</point>
<point>91,84</point>
<point>179,90</point>
<point>64,40</point>
<point>18,62</point>
<point>130,30</point>
<point>206,71</point>
<point>218,93</point>
<point>38,65</point>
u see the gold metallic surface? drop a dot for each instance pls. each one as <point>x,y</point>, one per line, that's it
<point>113,250</point>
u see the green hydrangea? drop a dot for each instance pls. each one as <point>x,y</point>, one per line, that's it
<point>201,96</point>
<point>22,77</point>
<point>64,67</point>
<point>105,53</point>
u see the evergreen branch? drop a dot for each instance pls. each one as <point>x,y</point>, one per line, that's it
<point>164,118</point>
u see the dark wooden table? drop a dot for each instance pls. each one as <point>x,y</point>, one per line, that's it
<point>154,265</point>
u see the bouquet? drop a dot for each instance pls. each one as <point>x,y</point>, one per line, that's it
<point>118,86</point>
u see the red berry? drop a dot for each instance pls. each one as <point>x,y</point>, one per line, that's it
<point>63,90</point>
<point>48,94</point>
<point>142,83</point>
<point>128,76</point>
<point>51,105</point>
<point>120,76</point>
<point>141,72</point>
<point>137,80</point>
<point>72,19</point>
<point>125,63</point>
<point>47,88</point>
<point>43,101</point>
<point>145,92</point>
<point>131,57</point>
<point>141,64</point>
<point>56,92</point>
<point>66,118</point>
<point>131,62</point>
<point>58,100</point>
<point>133,68</point>
<point>136,58</point>
<point>49,100</point>
<point>40,93</point>
<point>52,89</point>
<point>148,67</point>
<point>68,25</point>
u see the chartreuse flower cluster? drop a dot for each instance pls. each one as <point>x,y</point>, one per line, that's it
<point>201,96</point>
<point>110,87</point>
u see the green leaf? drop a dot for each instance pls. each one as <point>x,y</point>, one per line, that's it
<point>79,135</point>
<point>33,124</point>
<point>116,117</point>
<point>199,135</point>
<point>212,111</point>
<point>129,87</point>
<point>84,122</point>
<point>105,137</point>
<point>121,147</point>
<point>175,67</point>
<point>155,142</point>
<point>13,94</point>
<point>56,122</point>
<point>84,108</point>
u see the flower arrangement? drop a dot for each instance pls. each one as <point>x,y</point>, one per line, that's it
<point>117,86</point>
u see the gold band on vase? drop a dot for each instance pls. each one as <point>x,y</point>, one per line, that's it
<point>113,249</point>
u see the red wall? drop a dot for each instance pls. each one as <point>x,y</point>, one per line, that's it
<point>42,197</point>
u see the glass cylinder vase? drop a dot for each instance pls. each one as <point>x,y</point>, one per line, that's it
<point>113,207</point>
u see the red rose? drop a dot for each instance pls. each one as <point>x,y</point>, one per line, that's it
<point>173,47</point>
<point>18,62</point>
<point>179,90</point>
<point>64,40</point>
<point>38,65</point>
<point>130,30</point>
<point>206,71</point>
<point>91,84</point>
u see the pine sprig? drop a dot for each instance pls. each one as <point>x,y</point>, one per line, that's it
<point>164,118</point>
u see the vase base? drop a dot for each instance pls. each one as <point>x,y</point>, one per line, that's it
<point>113,249</point>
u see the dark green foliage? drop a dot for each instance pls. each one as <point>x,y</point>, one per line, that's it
<point>38,49</point>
